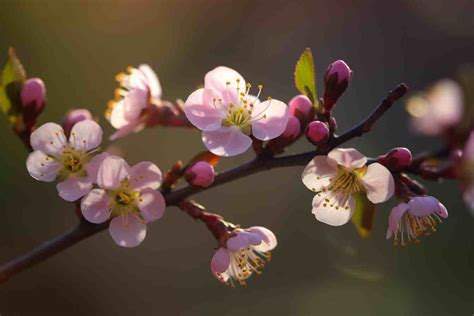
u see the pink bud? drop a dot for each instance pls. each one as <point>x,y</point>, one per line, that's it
<point>396,159</point>
<point>291,133</point>
<point>73,117</point>
<point>200,174</point>
<point>302,108</point>
<point>337,78</point>
<point>33,92</point>
<point>317,133</point>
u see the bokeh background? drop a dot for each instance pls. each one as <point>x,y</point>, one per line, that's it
<point>78,46</point>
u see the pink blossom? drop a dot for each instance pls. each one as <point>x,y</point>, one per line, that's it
<point>72,162</point>
<point>335,178</point>
<point>73,117</point>
<point>437,110</point>
<point>245,253</point>
<point>200,174</point>
<point>138,94</point>
<point>408,221</point>
<point>128,196</point>
<point>227,114</point>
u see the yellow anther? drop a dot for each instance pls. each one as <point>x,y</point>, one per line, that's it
<point>260,86</point>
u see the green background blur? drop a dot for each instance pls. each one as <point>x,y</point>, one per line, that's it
<point>78,46</point>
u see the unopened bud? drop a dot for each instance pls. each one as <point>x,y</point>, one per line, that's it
<point>73,117</point>
<point>302,108</point>
<point>317,133</point>
<point>32,97</point>
<point>337,78</point>
<point>200,174</point>
<point>396,159</point>
<point>291,133</point>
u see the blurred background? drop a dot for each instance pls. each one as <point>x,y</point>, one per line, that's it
<point>77,47</point>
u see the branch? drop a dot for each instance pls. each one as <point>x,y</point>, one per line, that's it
<point>85,229</point>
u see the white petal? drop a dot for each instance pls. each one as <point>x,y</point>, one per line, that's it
<point>73,189</point>
<point>218,77</point>
<point>226,141</point>
<point>86,135</point>
<point>145,174</point>
<point>269,240</point>
<point>269,119</point>
<point>127,230</point>
<point>95,206</point>
<point>378,183</point>
<point>94,165</point>
<point>152,205</point>
<point>334,210</point>
<point>394,218</point>
<point>317,174</point>
<point>49,138</point>
<point>112,171</point>
<point>42,167</point>
<point>152,81</point>
<point>117,116</point>
<point>348,157</point>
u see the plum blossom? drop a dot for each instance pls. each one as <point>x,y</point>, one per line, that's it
<point>137,97</point>
<point>437,110</point>
<point>245,253</point>
<point>335,178</point>
<point>128,196</point>
<point>71,161</point>
<point>228,115</point>
<point>408,221</point>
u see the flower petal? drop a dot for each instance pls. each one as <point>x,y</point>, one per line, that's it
<point>134,103</point>
<point>152,81</point>
<point>95,206</point>
<point>226,141</point>
<point>394,218</point>
<point>220,261</point>
<point>218,77</point>
<point>317,174</point>
<point>333,209</point>
<point>269,241</point>
<point>112,171</point>
<point>42,167</point>
<point>237,242</point>
<point>127,230</point>
<point>378,183</point>
<point>269,119</point>
<point>201,111</point>
<point>117,116</point>
<point>442,211</point>
<point>94,165</point>
<point>49,138</point>
<point>423,205</point>
<point>152,205</point>
<point>74,188</point>
<point>86,135</point>
<point>145,174</point>
<point>133,127</point>
<point>348,157</point>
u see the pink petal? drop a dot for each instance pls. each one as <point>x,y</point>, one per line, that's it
<point>134,103</point>
<point>152,81</point>
<point>269,241</point>
<point>220,261</point>
<point>348,157</point>
<point>49,138</point>
<point>237,242</point>
<point>94,165</point>
<point>218,77</point>
<point>201,111</point>
<point>127,230</point>
<point>42,167</point>
<point>442,211</point>
<point>423,205</point>
<point>317,174</point>
<point>74,188</point>
<point>86,135</point>
<point>145,174</point>
<point>378,183</point>
<point>269,119</point>
<point>152,205</point>
<point>117,116</point>
<point>226,141</point>
<point>95,206</point>
<point>111,172</point>
<point>338,211</point>
<point>394,218</point>
<point>133,127</point>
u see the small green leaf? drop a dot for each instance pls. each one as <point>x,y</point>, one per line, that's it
<point>305,78</point>
<point>12,78</point>
<point>363,216</point>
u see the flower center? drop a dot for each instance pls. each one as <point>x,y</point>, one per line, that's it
<point>124,200</point>
<point>341,187</point>
<point>74,162</point>
<point>411,227</point>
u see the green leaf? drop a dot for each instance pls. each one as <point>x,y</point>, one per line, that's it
<point>305,78</point>
<point>12,79</point>
<point>363,216</point>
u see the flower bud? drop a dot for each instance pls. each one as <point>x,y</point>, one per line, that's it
<point>317,133</point>
<point>200,174</point>
<point>337,78</point>
<point>291,133</point>
<point>302,108</point>
<point>396,159</point>
<point>73,117</point>
<point>32,97</point>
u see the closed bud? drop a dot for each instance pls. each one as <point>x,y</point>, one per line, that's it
<point>73,117</point>
<point>302,108</point>
<point>291,133</point>
<point>200,174</point>
<point>396,159</point>
<point>33,98</point>
<point>317,133</point>
<point>337,78</point>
